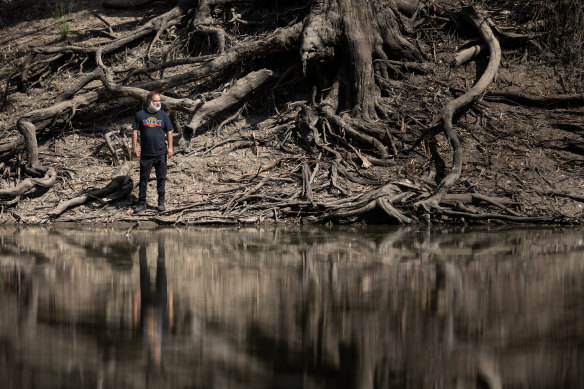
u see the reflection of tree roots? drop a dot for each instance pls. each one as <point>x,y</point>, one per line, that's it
<point>384,304</point>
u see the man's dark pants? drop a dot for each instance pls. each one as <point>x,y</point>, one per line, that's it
<point>146,164</point>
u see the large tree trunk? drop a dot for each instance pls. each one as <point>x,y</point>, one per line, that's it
<point>354,33</point>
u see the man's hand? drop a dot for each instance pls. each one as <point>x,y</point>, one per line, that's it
<point>135,150</point>
<point>169,144</point>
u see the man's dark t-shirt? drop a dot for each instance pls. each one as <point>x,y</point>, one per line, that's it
<point>152,127</point>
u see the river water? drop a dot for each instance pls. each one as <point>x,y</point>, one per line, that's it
<point>291,308</point>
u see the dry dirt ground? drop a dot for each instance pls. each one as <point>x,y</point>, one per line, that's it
<point>533,155</point>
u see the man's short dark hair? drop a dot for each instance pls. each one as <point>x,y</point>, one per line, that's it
<point>151,95</point>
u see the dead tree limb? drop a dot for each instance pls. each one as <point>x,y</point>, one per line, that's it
<point>121,184</point>
<point>75,103</point>
<point>168,64</point>
<point>235,95</point>
<point>108,25</point>
<point>169,18</point>
<point>81,82</point>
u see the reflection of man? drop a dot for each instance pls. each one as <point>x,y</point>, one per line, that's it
<point>156,310</point>
<point>152,124</point>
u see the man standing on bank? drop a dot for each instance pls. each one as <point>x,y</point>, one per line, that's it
<point>152,123</point>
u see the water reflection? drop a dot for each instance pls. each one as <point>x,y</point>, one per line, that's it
<point>291,308</point>
<point>156,304</point>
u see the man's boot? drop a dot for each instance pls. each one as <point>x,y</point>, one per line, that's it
<point>161,207</point>
<point>140,208</point>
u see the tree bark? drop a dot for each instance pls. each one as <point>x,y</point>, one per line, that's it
<point>235,95</point>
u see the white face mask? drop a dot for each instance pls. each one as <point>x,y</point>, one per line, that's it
<point>153,108</point>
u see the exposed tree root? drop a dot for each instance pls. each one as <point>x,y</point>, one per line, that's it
<point>476,198</point>
<point>537,101</point>
<point>163,20</point>
<point>29,184</point>
<point>122,147</point>
<point>507,218</point>
<point>468,54</point>
<point>285,39</point>
<point>382,199</point>
<point>341,77</point>
<point>480,23</point>
<point>343,128</point>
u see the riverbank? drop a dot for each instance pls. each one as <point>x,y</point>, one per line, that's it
<point>261,162</point>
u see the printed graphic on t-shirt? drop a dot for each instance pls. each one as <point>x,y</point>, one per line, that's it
<point>152,121</point>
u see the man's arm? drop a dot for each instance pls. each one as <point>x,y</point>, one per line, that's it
<point>135,150</point>
<point>135,302</point>
<point>169,144</point>
<point>170,303</point>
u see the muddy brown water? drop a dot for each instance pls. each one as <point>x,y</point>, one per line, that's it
<point>357,307</point>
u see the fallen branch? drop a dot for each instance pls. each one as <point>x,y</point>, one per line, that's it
<point>122,183</point>
<point>239,91</point>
